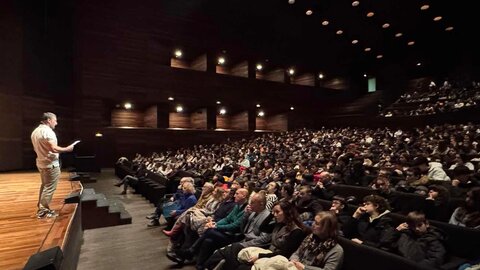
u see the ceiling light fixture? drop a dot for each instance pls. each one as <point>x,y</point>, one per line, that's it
<point>325,23</point>
<point>221,60</point>
<point>370,14</point>
<point>355,3</point>
<point>291,71</point>
<point>364,75</point>
<point>419,64</point>
<point>320,76</point>
<point>399,34</point>
<point>259,67</point>
<point>424,7</point>
<point>218,102</point>
<point>258,105</point>
<point>127,105</point>
<point>385,25</point>
<point>223,111</point>
<point>355,41</point>
<point>450,28</point>
<point>368,49</point>
<point>171,98</point>
<point>438,18</point>
<point>309,12</point>
<point>261,113</point>
<point>291,2</point>
<point>292,108</point>
<point>178,53</point>
<point>411,43</point>
<point>339,32</point>
<point>179,108</point>
<point>379,56</point>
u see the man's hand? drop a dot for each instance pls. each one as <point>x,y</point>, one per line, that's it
<point>298,265</point>
<point>358,241</point>
<point>402,227</point>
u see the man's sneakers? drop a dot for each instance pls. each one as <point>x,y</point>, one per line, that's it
<point>46,213</point>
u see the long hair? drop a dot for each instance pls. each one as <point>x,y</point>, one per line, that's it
<point>291,215</point>
<point>328,225</point>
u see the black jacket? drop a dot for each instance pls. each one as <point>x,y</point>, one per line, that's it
<point>378,233</point>
<point>427,249</point>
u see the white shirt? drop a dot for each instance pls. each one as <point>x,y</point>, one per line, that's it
<point>40,138</point>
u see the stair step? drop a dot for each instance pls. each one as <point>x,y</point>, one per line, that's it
<point>102,201</point>
<point>88,191</point>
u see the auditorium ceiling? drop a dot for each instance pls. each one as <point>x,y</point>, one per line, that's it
<point>341,34</point>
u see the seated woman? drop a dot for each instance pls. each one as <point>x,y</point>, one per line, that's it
<point>370,224</point>
<point>419,242</point>
<point>187,201</point>
<point>319,250</point>
<point>436,204</point>
<point>205,201</point>
<point>468,216</point>
<point>287,232</point>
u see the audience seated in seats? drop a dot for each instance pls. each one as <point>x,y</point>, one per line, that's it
<point>436,204</point>
<point>318,250</point>
<point>132,179</point>
<point>186,201</point>
<point>371,224</point>
<point>339,208</point>
<point>416,240</point>
<point>463,181</point>
<point>217,233</point>
<point>306,204</point>
<point>178,197</point>
<point>207,203</point>
<point>287,233</point>
<point>468,216</point>
<point>214,238</point>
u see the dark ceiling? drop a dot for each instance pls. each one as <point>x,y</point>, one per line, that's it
<point>285,35</point>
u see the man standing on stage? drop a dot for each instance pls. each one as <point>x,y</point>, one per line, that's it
<point>45,145</point>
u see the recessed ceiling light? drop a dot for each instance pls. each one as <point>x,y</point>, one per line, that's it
<point>364,75</point>
<point>261,113</point>
<point>379,56</point>
<point>368,49</point>
<point>339,32</point>
<point>424,7</point>
<point>221,60</point>
<point>258,105</point>
<point>385,25</point>
<point>127,105</point>
<point>259,67</point>
<point>320,76</point>
<point>291,71</point>
<point>411,43</point>
<point>219,102</point>
<point>450,28</point>
<point>370,14</point>
<point>171,98</point>
<point>438,18</point>
<point>419,64</point>
<point>325,23</point>
<point>398,34</point>
<point>223,111</point>
<point>179,108</point>
<point>178,53</point>
<point>355,41</point>
<point>355,3</point>
<point>292,108</point>
<point>291,2</point>
<point>309,12</point>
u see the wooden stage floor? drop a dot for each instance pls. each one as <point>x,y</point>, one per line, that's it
<point>21,233</point>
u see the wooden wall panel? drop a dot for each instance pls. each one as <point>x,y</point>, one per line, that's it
<point>337,84</point>
<point>11,135</point>
<point>240,70</point>
<point>127,118</point>
<point>277,75</point>
<point>222,70</point>
<point>261,123</point>
<point>200,63</point>
<point>198,119</point>
<point>304,79</point>
<point>179,63</point>
<point>150,118</point>
<point>223,122</point>
<point>278,122</point>
<point>239,121</point>
<point>179,120</point>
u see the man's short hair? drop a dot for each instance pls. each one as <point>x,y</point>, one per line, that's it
<point>47,115</point>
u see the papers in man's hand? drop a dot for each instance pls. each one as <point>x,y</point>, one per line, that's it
<point>75,142</point>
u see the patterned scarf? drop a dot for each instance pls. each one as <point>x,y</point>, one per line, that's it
<point>312,251</point>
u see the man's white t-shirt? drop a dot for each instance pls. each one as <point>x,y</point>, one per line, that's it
<point>40,137</point>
